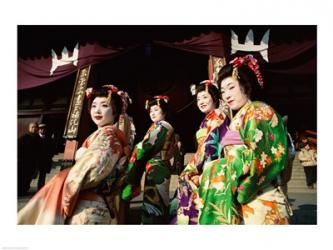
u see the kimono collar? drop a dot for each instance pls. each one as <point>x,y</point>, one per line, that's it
<point>211,115</point>
<point>242,109</point>
<point>158,122</point>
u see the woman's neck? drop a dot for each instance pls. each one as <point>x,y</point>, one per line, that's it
<point>235,112</point>
<point>159,121</point>
<point>210,112</point>
<point>98,127</point>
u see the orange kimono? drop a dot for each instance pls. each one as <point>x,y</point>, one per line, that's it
<point>73,196</point>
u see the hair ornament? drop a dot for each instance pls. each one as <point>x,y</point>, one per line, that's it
<point>89,92</point>
<point>208,83</point>
<point>251,62</point>
<point>158,98</point>
<point>124,96</point>
<point>111,89</point>
<point>193,89</point>
<point>161,97</point>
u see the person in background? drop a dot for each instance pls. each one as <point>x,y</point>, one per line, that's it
<point>44,155</point>
<point>28,151</point>
<point>80,194</point>
<point>152,155</point>
<point>308,158</point>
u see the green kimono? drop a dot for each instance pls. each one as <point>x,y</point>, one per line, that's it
<point>152,156</point>
<point>238,188</point>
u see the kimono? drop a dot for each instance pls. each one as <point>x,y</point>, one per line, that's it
<point>240,188</point>
<point>76,195</point>
<point>152,155</point>
<point>126,125</point>
<point>212,130</point>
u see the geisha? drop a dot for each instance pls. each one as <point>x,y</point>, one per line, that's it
<point>75,195</point>
<point>209,137</point>
<point>254,155</point>
<point>152,155</point>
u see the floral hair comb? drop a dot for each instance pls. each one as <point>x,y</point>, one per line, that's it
<point>124,95</point>
<point>209,83</point>
<point>89,92</point>
<point>158,98</point>
<point>111,89</point>
<point>251,62</point>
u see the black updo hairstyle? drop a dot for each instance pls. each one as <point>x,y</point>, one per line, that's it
<point>212,90</point>
<point>160,102</point>
<point>246,78</point>
<point>116,101</point>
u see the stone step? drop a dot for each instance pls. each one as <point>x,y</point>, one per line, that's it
<point>297,184</point>
<point>58,157</point>
<point>301,190</point>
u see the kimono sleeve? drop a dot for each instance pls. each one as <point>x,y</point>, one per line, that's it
<point>209,151</point>
<point>145,150</point>
<point>265,153</point>
<point>95,164</point>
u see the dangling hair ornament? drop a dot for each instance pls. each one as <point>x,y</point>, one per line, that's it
<point>128,97</point>
<point>193,89</point>
<point>124,95</point>
<point>158,98</point>
<point>161,97</point>
<point>111,89</point>
<point>208,83</point>
<point>89,92</point>
<point>251,62</point>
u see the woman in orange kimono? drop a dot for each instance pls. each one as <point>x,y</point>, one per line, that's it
<point>81,194</point>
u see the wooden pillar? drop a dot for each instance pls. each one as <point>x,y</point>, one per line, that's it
<point>74,118</point>
<point>210,68</point>
<point>214,66</point>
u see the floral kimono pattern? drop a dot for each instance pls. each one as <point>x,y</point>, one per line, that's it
<point>73,196</point>
<point>238,189</point>
<point>126,125</point>
<point>152,156</point>
<point>212,130</point>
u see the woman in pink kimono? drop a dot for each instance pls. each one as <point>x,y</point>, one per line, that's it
<point>82,194</point>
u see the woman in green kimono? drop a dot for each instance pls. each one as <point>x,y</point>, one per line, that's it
<point>241,188</point>
<point>152,156</point>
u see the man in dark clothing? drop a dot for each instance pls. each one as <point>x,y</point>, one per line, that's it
<point>45,155</point>
<point>28,148</point>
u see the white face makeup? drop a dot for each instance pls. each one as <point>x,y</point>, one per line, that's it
<point>205,102</point>
<point>156,113</point>
<point>101,112</point>
<point>232,93</point>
